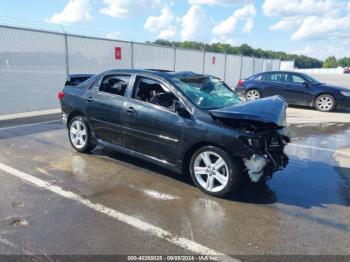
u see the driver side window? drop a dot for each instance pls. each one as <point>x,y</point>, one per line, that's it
<point>153,92</point>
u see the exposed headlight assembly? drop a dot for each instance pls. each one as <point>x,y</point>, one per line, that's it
<point>345,93</point>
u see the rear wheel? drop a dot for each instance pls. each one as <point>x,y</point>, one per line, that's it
<point>79,135</point>
<point>325,103</point>
<point>214,171</point>
<point>252,94</point>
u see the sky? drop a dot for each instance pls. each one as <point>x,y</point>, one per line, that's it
<point>317,28</point>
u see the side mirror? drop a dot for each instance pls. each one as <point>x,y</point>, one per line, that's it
<point>181,110</point>
<point>306,84</point>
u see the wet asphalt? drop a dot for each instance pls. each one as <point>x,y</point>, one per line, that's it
<point>303,210</point>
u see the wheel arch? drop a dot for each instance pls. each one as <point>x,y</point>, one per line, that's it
<point>72,114</point>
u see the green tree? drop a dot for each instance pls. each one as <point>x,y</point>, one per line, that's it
<point>344,62</point>
<point>330,62</point>
<point>300,60</point>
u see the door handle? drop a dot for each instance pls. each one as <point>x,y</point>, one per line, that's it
<point>89,99</point>
<point>130,109</point>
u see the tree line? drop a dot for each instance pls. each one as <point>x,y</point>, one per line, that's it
<point>332,62</point>
<point>301,61</point>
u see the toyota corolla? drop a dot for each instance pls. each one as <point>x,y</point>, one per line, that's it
<point>190,123</point>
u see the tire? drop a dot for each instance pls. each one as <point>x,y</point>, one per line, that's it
<point>79,135</point>
<point>252,94</point>
<point>325,103</point>
<point>223,180</point>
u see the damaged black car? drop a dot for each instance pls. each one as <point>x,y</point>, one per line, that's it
<point>190,123</point>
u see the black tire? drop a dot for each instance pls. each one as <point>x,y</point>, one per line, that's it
<point>325,103</point>
<point>89,145</point>
<point>233,174</point>
<point>255,92</point>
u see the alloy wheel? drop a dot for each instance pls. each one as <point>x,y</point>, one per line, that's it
<point>252,95</point>
<point>324,103</point>
<point>78,134</point>
<point>211,171</point>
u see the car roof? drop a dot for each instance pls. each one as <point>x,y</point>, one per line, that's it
<point>156,72</point>
<point>80,75</point>
<point>279,71</point>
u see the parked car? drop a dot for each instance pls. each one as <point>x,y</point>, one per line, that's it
<point>190,123</point>
<point>347,70</point>
<point>76,79</point>
<point>297,89</point>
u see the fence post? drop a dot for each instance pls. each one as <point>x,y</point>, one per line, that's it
<point>253,65</point>
<point>293,64</point>
<point>132,55</point>
<point>225,66</point>
<point>279,63</point>
<point>271,64</point>
<point>67,54</point>
<point>174,65</point>
<point>203,65</point>
<point>240,68</point>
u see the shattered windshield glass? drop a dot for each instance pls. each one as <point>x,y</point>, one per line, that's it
<point>207,92</point>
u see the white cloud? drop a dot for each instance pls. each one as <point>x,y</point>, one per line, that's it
<point>246,14</point>
<point>162,24</point>
<point>302,7</point>
<point>226,27</point>
<point>196,25</point>
<point>215,2</point>
<point>74,11</point>
<point>129,8</point>
<point>314,27</point>
<point>287,24</point>
<point>168,33</point>
<point>157,23</point>
<point>248,26</point>
<point>310,19</point>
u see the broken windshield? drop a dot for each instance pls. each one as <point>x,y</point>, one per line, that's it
<point>207,92</point>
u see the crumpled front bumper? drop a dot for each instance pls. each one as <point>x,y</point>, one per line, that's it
<point>266,155</point>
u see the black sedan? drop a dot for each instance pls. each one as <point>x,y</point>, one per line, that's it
<point>297,89</point>
<point>190,123</point>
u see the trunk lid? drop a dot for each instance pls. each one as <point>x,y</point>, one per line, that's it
<point>270,111</point>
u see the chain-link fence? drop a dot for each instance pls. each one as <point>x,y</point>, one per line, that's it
<point>34,64</point>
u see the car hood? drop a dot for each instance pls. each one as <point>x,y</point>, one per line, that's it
<point>270,110</point>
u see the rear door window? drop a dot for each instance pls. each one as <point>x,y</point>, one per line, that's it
<point>114,84</point>
<point>273,77</point>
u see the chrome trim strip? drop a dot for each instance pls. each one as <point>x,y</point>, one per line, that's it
<point>168,138</point>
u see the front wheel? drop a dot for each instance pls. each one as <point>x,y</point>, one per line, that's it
<point>325,103</point>
<point>79,135</point>
<point>213,171</point>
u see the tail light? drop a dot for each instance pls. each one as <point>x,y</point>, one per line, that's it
<point>240,82</point>
<point>60,95</point>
